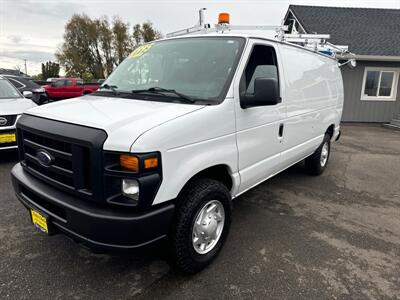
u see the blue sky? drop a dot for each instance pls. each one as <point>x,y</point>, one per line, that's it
<point>33,29</point>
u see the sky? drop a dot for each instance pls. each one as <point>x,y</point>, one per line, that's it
<point>33,29</point>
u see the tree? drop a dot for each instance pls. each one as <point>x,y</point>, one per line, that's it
<point>106,44</point>
<point>122,44</point>
<point>37,77</point>
<point>137,34</point>
<point>145,33</point>
<point>94,47</point>
<point>149,33</point>
<point>50,69</point>
<point>75,54</point>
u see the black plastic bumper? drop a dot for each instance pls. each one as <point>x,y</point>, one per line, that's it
<point>101,228</point>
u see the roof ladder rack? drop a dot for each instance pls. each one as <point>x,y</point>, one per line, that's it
<point>315,42</point>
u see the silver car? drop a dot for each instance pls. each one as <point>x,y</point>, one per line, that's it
<point>12,105</point>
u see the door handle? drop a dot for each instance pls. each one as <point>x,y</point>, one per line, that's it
<point>281,130</point>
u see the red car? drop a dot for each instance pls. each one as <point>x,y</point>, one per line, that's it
<point>64,88</point>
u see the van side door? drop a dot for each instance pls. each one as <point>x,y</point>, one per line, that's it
<point>311,96</point>
<point>258,129</point>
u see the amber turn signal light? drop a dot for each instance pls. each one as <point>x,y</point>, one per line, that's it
<point>150,163</point>
<point>129,162</point>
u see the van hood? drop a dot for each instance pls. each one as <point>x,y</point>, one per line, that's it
<point>124,120</point>
<point>15,106</point>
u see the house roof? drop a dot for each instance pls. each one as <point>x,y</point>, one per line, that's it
<point>12,72</point>
<point>367,31</point>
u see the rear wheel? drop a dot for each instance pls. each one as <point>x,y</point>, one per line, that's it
<point>202,224</point>
<point>317,162</point>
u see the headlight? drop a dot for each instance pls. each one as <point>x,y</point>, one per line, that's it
<point>130,188</point>
<point>38,90</point>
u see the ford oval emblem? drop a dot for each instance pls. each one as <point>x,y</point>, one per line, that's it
<point>44,157</point>
<point>3,121</point>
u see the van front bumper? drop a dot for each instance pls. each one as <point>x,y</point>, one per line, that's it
<point>98,226</point>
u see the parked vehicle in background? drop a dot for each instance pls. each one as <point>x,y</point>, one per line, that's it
<point>24,84</point>
<point>64,88</point>
<point>12,105</point>
<point>52,79</point>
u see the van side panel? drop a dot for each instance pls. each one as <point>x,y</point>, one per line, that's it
<point>313,95</point>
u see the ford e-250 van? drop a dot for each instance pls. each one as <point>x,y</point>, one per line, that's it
<point>179,129</point>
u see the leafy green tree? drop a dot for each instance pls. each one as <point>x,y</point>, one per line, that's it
<point>106,39</point>
<point>149,33</point>
<point>50,69</point>
<point>144,33</point>
<point>96,47</point>
<point>122,43</point>
<point>37,77</point>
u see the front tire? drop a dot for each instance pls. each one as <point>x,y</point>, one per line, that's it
<point>202,224</point>
<point>317,162</point>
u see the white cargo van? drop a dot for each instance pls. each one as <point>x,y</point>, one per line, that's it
<point>179,129</point>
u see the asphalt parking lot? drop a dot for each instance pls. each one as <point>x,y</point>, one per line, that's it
<point>292,237</point>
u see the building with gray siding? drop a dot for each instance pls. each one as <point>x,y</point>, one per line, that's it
<point>372,89</point>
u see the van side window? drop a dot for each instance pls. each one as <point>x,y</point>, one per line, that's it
<point>262,63</point>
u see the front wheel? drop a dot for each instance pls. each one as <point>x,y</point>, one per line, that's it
<point>202,224</point>
<point>317,162</point>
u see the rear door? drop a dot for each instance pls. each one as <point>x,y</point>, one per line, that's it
<point>259,129</point>
<point>79,88</point>
<point>69,89</point>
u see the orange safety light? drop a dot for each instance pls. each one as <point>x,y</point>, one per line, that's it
<point>129,162</point>
<point>223,18</point>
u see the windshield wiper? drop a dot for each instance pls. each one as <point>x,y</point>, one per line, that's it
<point>112,88</point>
<point>162,91</point>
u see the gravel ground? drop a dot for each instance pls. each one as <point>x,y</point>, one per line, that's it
<point>292,237</point>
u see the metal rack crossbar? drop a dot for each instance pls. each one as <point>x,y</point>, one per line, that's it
<point>315,42</point>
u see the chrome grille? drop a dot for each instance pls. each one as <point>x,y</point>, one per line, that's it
<point>70,168</point>
<point>6,121</point>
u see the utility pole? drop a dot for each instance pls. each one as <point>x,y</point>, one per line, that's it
<point>26,71</point>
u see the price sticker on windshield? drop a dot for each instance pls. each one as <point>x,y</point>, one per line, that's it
<point>139,51</point>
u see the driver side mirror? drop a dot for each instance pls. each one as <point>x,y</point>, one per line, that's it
<point>266,92</point>
<point>27,94</point>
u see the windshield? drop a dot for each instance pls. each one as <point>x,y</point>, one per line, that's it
<point>7,90</point>
<point>200,68</point>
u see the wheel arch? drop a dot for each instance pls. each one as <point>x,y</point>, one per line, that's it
<point>330,130</point>
<point>219,172</point>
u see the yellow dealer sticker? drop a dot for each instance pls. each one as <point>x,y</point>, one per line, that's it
<point>39,221</point>
<point>8,138</point>
<point>139,51</point>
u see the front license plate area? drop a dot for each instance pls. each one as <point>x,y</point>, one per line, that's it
<point>7,138</point>
<point>40,221</point>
